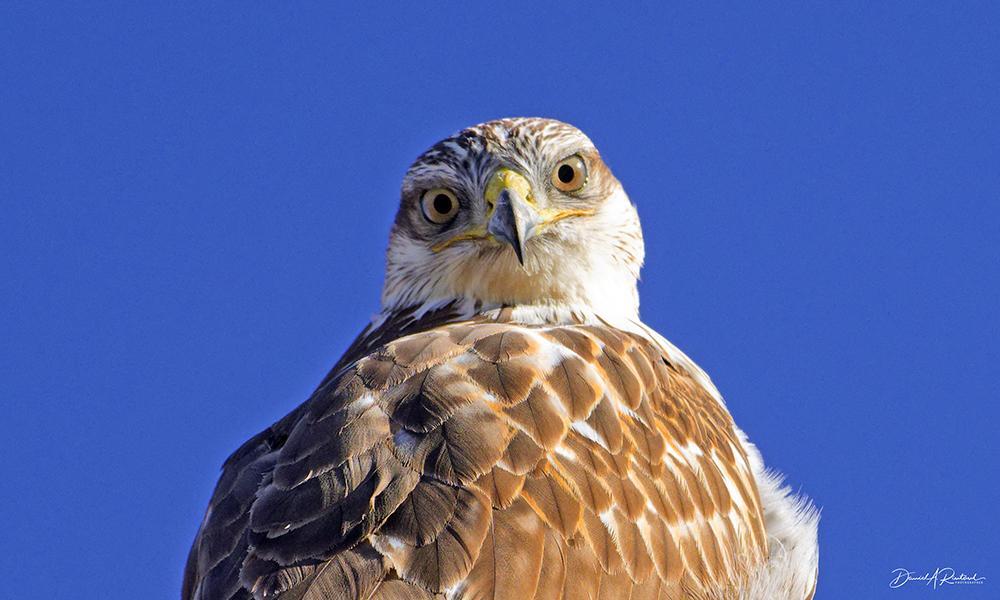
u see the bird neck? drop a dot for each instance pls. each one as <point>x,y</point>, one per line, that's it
<point>610,309</point>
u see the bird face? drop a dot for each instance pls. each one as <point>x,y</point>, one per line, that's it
<point>515,211</point>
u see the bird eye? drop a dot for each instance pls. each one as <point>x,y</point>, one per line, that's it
<point>570,174</point>
<point>439,205</point>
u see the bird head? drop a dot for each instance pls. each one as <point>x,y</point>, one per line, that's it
<point>515,212</point>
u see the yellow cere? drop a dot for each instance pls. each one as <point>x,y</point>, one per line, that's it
<point>511,180</point>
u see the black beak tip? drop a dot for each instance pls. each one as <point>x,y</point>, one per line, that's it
<point>519,252</point>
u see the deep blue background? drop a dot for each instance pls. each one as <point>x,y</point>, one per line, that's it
<point>195,206</point>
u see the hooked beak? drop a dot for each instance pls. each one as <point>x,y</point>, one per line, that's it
<point>514,220</point>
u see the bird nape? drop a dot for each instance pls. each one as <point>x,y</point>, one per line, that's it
<point>506,427</point>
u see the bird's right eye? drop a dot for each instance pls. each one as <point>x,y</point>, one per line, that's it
<point>439,205</point>
<point>570,175</point>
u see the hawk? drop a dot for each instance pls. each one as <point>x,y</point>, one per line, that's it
<point>506,426</point>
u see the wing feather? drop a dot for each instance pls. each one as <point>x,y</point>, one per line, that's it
<point>552,578</point>
<point>488,459</point>
<point>448,558</point>
<point>510,563</point>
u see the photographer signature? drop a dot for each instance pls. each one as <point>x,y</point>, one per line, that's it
<point>941,576</point>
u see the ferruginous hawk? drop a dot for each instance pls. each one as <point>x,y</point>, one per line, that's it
<point>506,427</point>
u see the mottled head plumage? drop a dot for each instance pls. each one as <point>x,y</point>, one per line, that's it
<point>519,236</point>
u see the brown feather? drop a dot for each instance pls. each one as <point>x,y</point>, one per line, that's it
<point>448,559</point>
<point>553,500</point>
<point>522,454</point>
<point>505,345</point>
<point>552,578</point>
<point>541,417</point>
<point>584,572</point>
<point>615,586</point>
<point>631,547</point>
<point>601,542</point>
<point>575,339</point>
<point>623,380</point>
<point>587,486</point>
<point>576,386</point>
<point>501,486</point>
<point>511,558</point>
<point>347,576</point>
<point>604,420</point>
<point>429,398</point>
<point>418,352</point>
<point>424,514</point>
<point>397,589</point>
<point>464,447</point>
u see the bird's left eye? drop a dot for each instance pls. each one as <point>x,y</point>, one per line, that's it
<point>439,205</point>
<point>570,174</point>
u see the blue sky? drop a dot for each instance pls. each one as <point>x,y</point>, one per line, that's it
<point>195,204</point>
